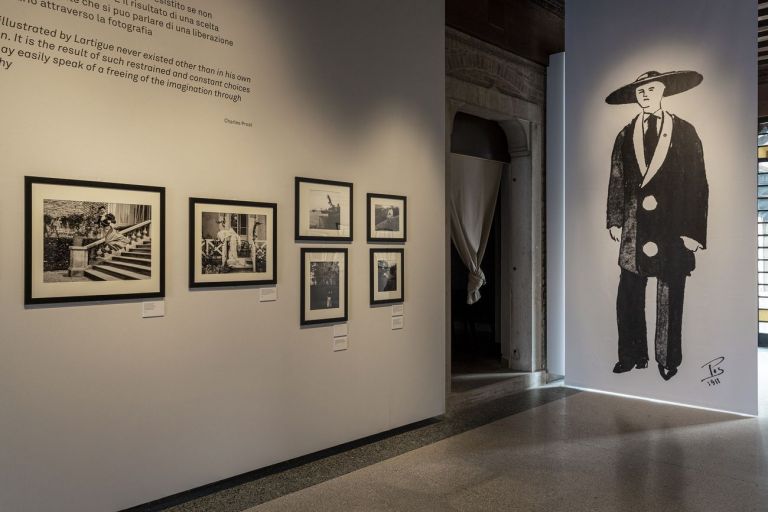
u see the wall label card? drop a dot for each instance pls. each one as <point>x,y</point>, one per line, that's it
<point>268,294</point>
<point>340,344</point>
<point>398,322</point>
<point>154,309</point>
<point>340,330</point>
<point>398,310</point>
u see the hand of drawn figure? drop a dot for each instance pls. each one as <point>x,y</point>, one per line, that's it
<point>691,244</point>
<point>615,233</point>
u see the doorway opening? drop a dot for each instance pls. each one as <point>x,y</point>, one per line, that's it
<point>479,150</point>
<point>475,336</point>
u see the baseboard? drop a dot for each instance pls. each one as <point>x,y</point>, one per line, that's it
<point>228,483</point>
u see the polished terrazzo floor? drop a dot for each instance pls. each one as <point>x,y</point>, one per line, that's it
<point>587,452</point>
<point>551,452</point>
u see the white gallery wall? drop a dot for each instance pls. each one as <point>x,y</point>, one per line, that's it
<point>555,214</point>
<point>609,44</point>
<point>103,410</point>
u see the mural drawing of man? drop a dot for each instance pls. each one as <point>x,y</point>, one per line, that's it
<point>657,211</point>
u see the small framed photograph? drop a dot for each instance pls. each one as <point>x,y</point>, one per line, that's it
<point>387,218</point>
<point>387,278</point>
<point>93,241</point>
<point>232,243</point>
<point>323,210</point>
<point>324,285</point>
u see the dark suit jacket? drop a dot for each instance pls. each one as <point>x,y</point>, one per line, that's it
<point>654,210</point>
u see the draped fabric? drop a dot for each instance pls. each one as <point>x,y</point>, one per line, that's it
<point>130,214</point>
<point>474,188</point>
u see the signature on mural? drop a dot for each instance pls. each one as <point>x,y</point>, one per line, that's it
<point>714,371</point>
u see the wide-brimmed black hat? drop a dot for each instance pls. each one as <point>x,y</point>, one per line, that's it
<point>675,82</point>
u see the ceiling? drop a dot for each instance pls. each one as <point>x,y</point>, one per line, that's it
<point>533,29</point>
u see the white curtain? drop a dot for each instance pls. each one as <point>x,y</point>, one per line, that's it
<point>474,188</point>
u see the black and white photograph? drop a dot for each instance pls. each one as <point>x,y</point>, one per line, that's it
<point>657,212</point>
<point>232,243</point>
<point>386,218</point>
<point>324,285</point>
<point>92,241</point>
<point>386,277</point>
<point>323,210</point>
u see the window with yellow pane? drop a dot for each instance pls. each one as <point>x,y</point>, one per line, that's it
<point>762,230</point>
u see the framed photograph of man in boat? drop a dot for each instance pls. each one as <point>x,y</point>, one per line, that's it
<point>324,285</point>
<point>386,218</point>
<point>93,241</point>
<point>323,210</point>
<point>387,277</point>
<point>232,243</point>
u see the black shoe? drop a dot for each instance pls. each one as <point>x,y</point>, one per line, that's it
<point>641,364</point>
<point>667,374</point>
<point>622,368</point>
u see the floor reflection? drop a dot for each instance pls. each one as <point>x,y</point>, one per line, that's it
<point>762,379</point>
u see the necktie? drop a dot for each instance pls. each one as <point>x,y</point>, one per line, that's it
<point>650,139</point>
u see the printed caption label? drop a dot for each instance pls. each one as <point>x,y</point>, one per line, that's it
<point>340,330</point>
<point>154,309</point>
<point>340,344</point>
<point>268,294</point>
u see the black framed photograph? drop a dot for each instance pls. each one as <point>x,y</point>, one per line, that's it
<point>387,218</point>
<point>387,276</point>
<point>324,285</point>
<point>232,243</point>
<point>323,210</point>
<point>93,241</point>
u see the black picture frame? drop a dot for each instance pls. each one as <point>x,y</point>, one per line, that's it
<point>32,299</point>
<point>316,235</point>
<point>370,219</point>
<point>305,319</point>
<point>194,281</point>
<point>374,276</point>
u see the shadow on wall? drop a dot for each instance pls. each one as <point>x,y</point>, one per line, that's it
<point>367,67</point>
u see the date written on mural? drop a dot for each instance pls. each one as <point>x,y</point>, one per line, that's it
<point>714,371</point>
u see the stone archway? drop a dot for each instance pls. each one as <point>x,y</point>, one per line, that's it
<point>488,82</point>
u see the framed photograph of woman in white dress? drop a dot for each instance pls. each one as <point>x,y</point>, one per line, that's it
<point>93,241</point>
<point>232,243</point>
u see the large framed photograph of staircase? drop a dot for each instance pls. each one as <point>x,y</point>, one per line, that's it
<point>232,243</point>
<point>93,241</point>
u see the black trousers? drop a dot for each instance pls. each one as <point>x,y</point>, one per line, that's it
<point>630,315</point>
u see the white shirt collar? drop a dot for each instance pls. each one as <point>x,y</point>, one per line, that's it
<point>658,114</point>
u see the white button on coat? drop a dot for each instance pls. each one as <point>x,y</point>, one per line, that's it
<point>650,203</point>
<point>650,249</point>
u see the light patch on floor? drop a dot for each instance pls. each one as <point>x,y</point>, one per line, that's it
<point>588,452</point>
<point>762,379</point>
